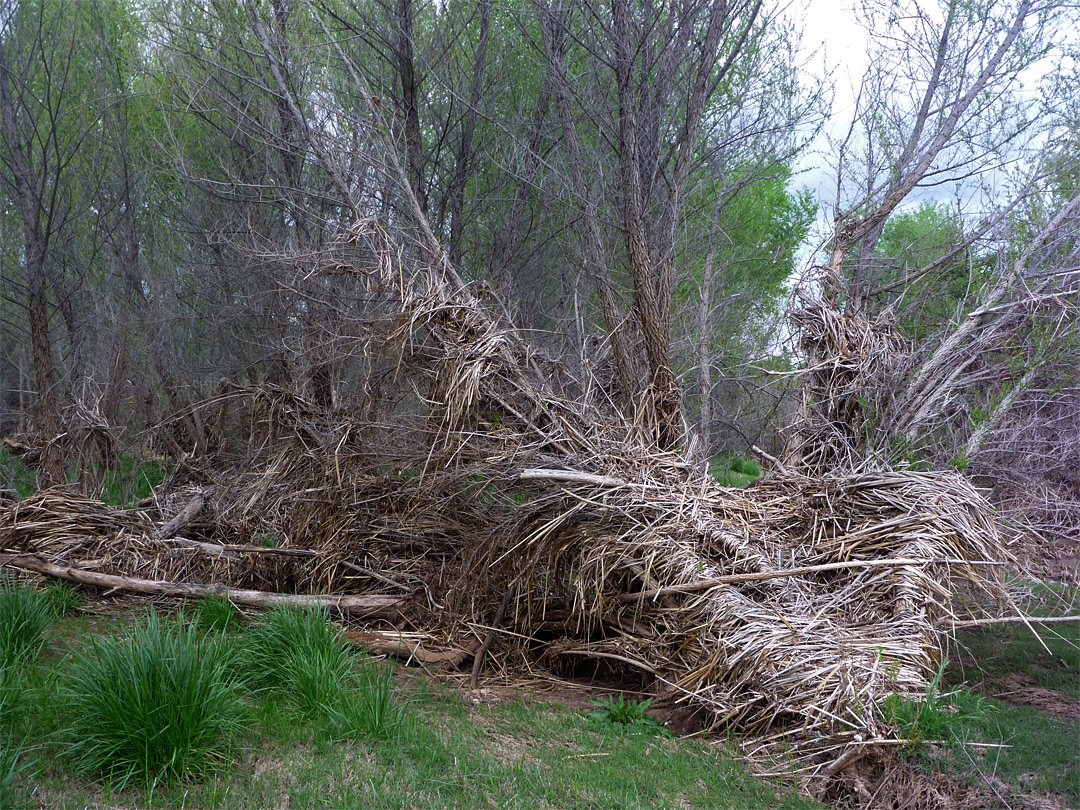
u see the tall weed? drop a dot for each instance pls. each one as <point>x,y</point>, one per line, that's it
<point>25,616</point>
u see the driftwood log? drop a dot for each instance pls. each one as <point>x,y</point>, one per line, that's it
<point>367,605</point>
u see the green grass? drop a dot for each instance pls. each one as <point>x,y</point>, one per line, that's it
<point>1036,746</point>
<point>15,476</point>
<point>298,652</point>
<point>130,481</point>
<point>732,471</point>
<point>215,613</point>
<point>25,615</point>
<point>126,484</point>
<point>444,752</point>
<point>1038,749</point>
<point>991,654</point>
<point>63,597</point>
<point>158,704</point>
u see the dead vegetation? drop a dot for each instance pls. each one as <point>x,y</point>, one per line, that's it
<point>502,514</point>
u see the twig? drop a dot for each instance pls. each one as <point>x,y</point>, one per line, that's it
<point>1016,620</point>
<point>771,459</point>
<point>613,656</point>
<point>478,659</point>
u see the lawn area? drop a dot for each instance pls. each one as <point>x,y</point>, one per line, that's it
<point>303,731</point>
<point>296,718</point>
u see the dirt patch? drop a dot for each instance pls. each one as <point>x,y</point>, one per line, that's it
<point>1023,690</point>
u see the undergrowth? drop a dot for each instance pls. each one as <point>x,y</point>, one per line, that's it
<point>630,714</point>
<point>156,705</point>
<point>25,615</point>
<point>298,651</point>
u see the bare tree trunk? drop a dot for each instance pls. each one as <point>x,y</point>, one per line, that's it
<point>551,24</point>
<point>409,86</point>
<point>462,167</point>
<point>652,285</point>
<point>35,247</point>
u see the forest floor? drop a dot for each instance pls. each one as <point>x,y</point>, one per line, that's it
<point>531,744</point>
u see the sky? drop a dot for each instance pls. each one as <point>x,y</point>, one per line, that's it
<point>835,45</point>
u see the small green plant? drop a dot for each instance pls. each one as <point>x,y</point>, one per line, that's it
<point>156,705</point>
<point>269,541</point>
<point>959,462</point>
<point>25,615</point>
<point>631,714</point>
<point>215,613</point>
<point>64,598</point>
<point>935,716</point>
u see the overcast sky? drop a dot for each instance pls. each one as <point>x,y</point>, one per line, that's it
<point>835,45</point>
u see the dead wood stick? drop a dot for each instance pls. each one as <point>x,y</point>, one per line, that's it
<point>571,477</point>
<point>185,515</point>
<point>211,549</point>
<point>217,549</point>
<point>478,659</point>
<point>771,459</point>
<point>845,760</point>
<point>612,656</point>
<point>367,604</point>
<point>406,649</point>
<point>1016,620</point>
<point>755,576</point>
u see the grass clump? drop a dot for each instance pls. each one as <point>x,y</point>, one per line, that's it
<point>747,467</point>
<point>734,471</point>
<point>25,616</point>
<point>154,705</point>
<point>285,637</point>
<point>298,651</point>
<point>64,598</point>
<point>215,613</point>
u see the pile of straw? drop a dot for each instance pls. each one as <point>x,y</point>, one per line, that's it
<point>511,518</point>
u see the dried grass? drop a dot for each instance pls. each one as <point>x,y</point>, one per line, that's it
<point>788,610</point>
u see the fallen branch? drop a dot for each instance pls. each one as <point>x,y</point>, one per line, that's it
<point>367,604</point>
<point>1016,620</point>
<point>407,649</point>
<point>231,549</point>
<point>571,477</point>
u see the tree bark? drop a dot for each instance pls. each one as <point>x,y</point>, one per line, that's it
<point>464,157</point>
<point>35,246</point>
<point>409,88</point>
